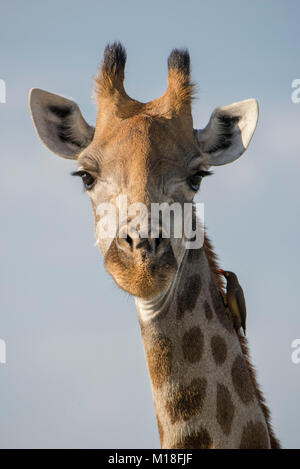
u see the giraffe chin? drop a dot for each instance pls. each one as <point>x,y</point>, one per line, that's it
<point>141,277</point>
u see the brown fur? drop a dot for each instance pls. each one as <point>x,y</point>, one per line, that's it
<point>254,437</point>
<point>208,311</point>
<point>213,264</point>
<point>188,297</point>
<point>219,349</point>
<point>159,358</point>
<point>174,103</point>
<point>199,440</point>
<point>212,259</point>
<point>140,277</point>
<point>225,409</point>
<point>193,344</point>
<point>275,443</point>
<point>188,401</point>
<point>240,379</point>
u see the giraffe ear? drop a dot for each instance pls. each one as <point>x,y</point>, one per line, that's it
<point>228,132</point>
<point>59,123</point>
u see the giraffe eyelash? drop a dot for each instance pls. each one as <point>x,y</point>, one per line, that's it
<point>203,173</point>
<point>87,178</point>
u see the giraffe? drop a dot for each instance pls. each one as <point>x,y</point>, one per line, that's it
<point>204,387</point>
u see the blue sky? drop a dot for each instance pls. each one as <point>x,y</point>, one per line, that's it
<point>76,373</point>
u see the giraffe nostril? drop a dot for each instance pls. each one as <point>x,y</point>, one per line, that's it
<point>128,239</point>
<point>157,242</point>
<point>132,242</point>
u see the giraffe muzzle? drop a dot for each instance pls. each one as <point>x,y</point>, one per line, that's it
<point>143,246</point>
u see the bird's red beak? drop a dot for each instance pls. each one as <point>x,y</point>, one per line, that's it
<point>221,271</point>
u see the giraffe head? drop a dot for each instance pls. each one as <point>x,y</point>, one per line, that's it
<point>140,154</point>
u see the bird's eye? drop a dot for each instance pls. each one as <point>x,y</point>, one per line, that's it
<point>87,179</point>
<point>195,180</point>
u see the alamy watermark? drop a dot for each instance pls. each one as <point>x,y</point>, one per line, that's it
<point>295,96</point>
<point>296,353</point>
<point>162,220</point>
<point>2,91</point>
<point>2,352</point>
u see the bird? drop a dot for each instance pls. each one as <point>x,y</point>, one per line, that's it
<point>235,300</point>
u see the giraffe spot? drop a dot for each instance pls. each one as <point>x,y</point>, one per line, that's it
<point>208,311</point>
<point>225,409</point>
<point>219,307</point>
<point>192,344</point>
<point>219,349</point>
<point>241,380</point>
<point>254,436</point>
<point>159,358</point>
<point>199,440</point>
<point>187,299</point>
<point>188,401</point>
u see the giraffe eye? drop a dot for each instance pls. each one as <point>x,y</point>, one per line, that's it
<point>195,180</point>
<point>87,179</point>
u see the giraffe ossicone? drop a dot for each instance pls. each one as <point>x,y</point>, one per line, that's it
<point>204,388</point>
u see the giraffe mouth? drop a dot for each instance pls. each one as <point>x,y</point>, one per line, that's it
<point>141,275</point>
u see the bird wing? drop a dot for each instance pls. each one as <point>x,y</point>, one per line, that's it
<point>240,298</point>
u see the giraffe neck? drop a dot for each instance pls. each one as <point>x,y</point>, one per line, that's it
<point>203,394</point>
